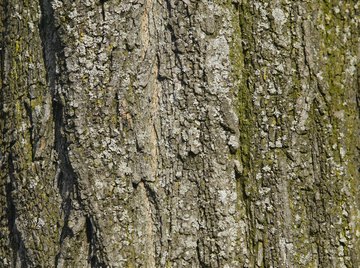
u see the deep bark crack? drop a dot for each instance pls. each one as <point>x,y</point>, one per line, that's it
<point>67,183</point>
<point>15,237</point>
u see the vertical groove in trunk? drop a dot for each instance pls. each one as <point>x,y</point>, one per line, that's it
<point>15,237</point>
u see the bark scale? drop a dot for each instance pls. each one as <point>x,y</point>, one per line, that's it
<point>179,133</point>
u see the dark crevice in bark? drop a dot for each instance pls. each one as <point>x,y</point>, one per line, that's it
<point>51,42</point>
<point>2,69</point>
<point>357,98</point>
<point>200,243</point>
<point>156,215</point>
<point>66,207</point>
<point>152,196</point>
<point>206,247</point>
<point>2,41</point>
<point>102,3</point>
<point>67,177</point>
<point>174,38</point>
<point>95,255</point>
<point>67,183</point>
<point>66,180</point>
<point>159,77</point>
<point>315,211</point>
<point>318,211</point>
<point>16,242</point>
<point>31,129</point>
<point>245,106</point>
<point>200,257</point>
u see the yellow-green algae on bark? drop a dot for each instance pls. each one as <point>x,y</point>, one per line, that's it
<point>300,65</point>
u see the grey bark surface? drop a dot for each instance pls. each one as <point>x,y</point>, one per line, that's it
<point>179,133</point>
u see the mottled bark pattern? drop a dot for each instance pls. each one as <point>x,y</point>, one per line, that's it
<point>303,183</point>
<point>143,133</point>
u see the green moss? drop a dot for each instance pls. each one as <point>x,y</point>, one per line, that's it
<point>17,47</point>
<point>168,264</point>
<point>244,102</point>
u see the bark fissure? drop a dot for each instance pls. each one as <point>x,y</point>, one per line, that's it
<point>51,43</point>
<point>245,122</point>
<point>67,181</point>
<point>4,22</point>
<point>31,130</point>
<point>102,3</point>
<point>156,218</point>
<point>96,256</point>
<point>15,237</point>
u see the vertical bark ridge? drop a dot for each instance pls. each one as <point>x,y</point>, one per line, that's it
<point>299,169</point>
<point>6,186</point>
<point>67,179</point>
<point>17,244</point>
<point>27,139</point>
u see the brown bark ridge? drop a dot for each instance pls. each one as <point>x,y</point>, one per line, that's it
<point>179,133</point>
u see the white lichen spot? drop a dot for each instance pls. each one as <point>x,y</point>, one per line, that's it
<point>351,70</point>
<point>280,68</point>
<point>183,189</point>
<point>223,196</point>
<point>278,144</point>
<point>99,184</point>
<point>266,168</point>
<point>40,223</point>
<point>319,76</point>
<point>340,114</point>
<point>342,152</point>
<point>272,90</point>
<point>233,142</point>
<point>217,63</point>
<point>279,16</point>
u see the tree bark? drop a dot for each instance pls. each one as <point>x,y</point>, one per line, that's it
<point>179,133</point>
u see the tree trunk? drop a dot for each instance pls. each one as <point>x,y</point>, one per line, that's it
<point>142,133</point>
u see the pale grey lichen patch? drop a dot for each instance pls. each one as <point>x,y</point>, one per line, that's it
<point>218,51</point>
<point>279,16</point>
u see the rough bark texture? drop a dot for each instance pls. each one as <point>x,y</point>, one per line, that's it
<point>179,133</point>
